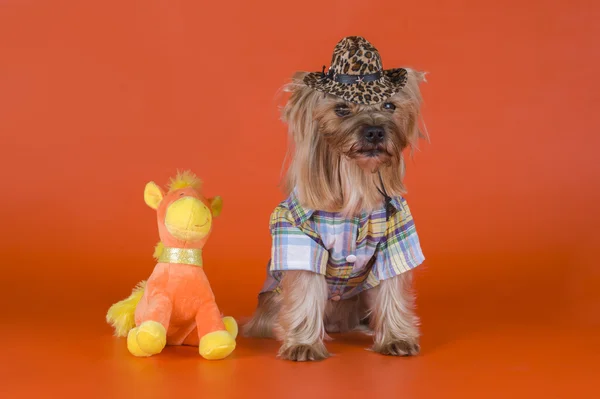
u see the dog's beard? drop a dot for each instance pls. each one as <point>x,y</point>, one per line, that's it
<point>371,157</point>
<point>338,171</point>
<point>370,163</point>
<point>347,179</point>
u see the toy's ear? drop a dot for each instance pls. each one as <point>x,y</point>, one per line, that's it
<point>216,205</point>
<point>153,195</point>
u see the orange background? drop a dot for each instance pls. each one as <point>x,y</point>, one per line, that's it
<point>97,98</point>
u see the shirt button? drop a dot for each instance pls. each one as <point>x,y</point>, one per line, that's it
<point>335,298</point>
<point>351,258</point>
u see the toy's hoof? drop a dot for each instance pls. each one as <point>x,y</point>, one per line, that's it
<point>231,326</point>
<point>216,345</point>
<point>132,344</point>
<point>151,337</point>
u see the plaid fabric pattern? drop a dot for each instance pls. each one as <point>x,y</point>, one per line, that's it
<point>354,254</point>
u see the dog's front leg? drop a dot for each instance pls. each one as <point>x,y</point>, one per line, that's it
<point>393,318</point>
<point>301,326</point>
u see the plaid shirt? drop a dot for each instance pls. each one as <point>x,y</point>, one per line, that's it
<point>354,254</point>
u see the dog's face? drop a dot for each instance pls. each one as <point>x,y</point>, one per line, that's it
<point>342,150</point>
<point>370,135</point>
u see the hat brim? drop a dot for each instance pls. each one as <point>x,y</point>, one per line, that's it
<point>366,93</point>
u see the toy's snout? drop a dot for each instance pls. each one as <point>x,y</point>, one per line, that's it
<point>188,219</point>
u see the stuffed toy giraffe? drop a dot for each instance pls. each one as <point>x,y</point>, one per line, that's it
<point>176,305</point>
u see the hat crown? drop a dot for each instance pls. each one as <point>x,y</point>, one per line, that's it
<point>356,74</point>
<point>354,55</point>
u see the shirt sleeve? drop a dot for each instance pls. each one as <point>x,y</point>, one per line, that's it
<point>399,250</point>
<point>295,248</point>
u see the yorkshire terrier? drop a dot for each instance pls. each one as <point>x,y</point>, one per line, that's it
<point>344,241</point>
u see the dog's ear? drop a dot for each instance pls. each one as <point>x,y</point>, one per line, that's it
<point>298,77</point>
<point>297,82</point>
<point>416,76</point>
<point>299,107</point>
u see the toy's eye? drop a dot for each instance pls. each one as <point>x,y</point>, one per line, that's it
<point>389,106</point>
<point>342,110</point>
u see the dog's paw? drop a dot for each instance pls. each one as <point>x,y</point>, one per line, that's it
<point>303,353</point>
<point>398,348</point>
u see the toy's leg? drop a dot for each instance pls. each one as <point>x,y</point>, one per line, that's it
<point>217,340</point>
<point>393,318</point>
<point>150,337</point>
<point>231,326</point>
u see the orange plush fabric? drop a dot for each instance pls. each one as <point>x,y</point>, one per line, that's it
<point>179,295</point>
<point>176,305</point>
<point>180,298</point>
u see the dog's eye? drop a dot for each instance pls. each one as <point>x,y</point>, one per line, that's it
<point>389,106</point>
<point>342,110</point>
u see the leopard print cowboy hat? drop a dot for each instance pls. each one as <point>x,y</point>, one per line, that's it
<point>356,74</point>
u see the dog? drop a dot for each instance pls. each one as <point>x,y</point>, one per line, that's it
<point>344,241</point>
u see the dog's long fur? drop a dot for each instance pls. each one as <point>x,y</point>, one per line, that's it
<point>330,174</point>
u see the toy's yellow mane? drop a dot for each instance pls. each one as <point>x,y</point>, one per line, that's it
<point>185,179</point>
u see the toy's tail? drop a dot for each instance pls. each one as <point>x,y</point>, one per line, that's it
<point>121,314</point>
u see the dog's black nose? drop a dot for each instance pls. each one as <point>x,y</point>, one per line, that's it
<point>374,134</point>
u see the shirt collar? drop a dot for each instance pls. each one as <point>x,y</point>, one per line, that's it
<point>301,214</point>
<point>397,203</point>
